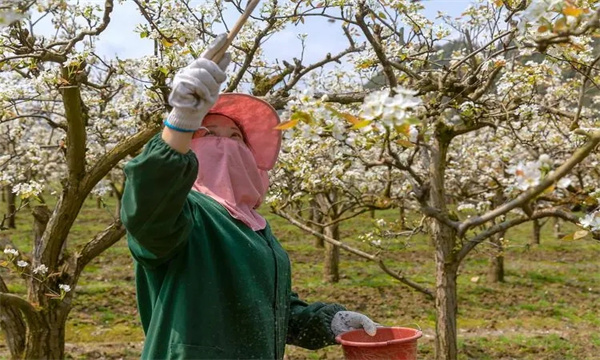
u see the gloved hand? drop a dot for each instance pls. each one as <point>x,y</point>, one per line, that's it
<point>349,320</point>
<point>196,88</point>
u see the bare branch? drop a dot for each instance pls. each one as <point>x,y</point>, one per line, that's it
<point>119,152</point>
<point>398,276</point>
<point>387,68</point>
<point>306,228</point>
<point>48,120</point>
<point>375,258</point>
<point>539,214</point>
<point>97,245</point>
<point>249,57</point>
<point>108,8</point>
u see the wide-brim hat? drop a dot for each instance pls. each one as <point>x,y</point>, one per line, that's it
<point>257,120</point>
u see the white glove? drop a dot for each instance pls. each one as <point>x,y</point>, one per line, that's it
<point>196,88</point>
<point>349,320</point>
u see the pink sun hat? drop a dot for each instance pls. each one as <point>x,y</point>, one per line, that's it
<point>257,120</point>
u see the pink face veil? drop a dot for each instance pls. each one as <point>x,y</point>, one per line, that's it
<point>227,172</point>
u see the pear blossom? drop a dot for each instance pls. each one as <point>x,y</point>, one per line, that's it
<point>564,183</point>
<point>591,221</point>
<point>544,159</point>
<point>41,269</point>
<point>527,175</point>
<point>28,190</point>
<point>11,251</point>
<point>413,133</point>
<point>391,110</point>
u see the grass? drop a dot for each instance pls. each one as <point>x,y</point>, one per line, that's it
<point>546,309</point>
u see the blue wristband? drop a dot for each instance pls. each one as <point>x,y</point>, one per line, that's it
<point>172,127</point>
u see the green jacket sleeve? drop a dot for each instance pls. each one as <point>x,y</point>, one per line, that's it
<point>310,325</point>
<point>154,208</point>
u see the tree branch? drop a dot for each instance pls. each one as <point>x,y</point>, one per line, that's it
<point>110,159</point>
<point>305,70</point>
<point>108,8</point>
<point>52,123</point>
<point>249,57</point>
<point>23,305</point>
<point>76,136</point>
<point>396,275</point>
<point>528,195</point>
<point>374,258</point>
<point>387,68</point>
<point>539,214</point>
<point>97,245</point>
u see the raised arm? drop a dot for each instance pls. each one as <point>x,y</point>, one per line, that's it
<point>154,208</point>
<point>154,211</point>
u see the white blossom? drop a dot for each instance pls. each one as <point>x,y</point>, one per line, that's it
<point>28,190</point>
<point>22,263</point>
<point>11,251</point>
<point>465,207</point>
<point>41,269</point>
<point>564,183</point>
<point>413,134</point>
<point>591,221</point>
<point>527,175</point>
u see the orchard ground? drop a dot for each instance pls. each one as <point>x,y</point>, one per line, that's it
<point>548,308</point>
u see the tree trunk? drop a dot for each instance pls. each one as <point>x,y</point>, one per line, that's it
<point>331,271</point>
<point>47,341</point>
<point>372,213</point>
<point>13,326</point>
<point>316,217</point>
<point>41,216</point>
<point>444,238</point>
<point>537,230</point>
<point>557,228</point>
<point>496,267</point>
<point>33,333</point>
<point>11,207</point>
<point>446,306</point>
<point>402,217</point>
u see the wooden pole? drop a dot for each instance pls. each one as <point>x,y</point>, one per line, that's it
<point>236,29</point>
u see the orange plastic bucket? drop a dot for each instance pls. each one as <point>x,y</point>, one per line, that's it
<point>390,343</point>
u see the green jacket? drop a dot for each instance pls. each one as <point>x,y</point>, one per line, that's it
<point>208,287</point>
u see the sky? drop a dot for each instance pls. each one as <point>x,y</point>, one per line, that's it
<point>323,37</point>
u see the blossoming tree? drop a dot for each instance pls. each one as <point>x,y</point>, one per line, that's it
<point>72,115</point>
<point>317,173</point>
<point>494,132</point>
